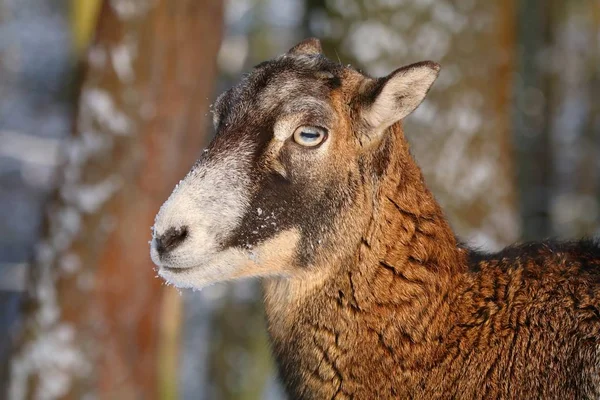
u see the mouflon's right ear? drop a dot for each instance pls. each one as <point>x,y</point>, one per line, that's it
<point>387,100</point>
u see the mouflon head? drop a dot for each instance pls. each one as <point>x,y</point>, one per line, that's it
<point>286,185</point>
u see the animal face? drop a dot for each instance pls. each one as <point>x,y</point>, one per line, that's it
<point>287,183</point>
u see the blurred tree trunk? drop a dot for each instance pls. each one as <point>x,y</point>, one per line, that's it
<point>571,65</point>
<point>532,124</point>
<point>461,134</point>
<point>36,108</point>
<point>594,120</point>
<point>94,310</point>
<point>558,119</point>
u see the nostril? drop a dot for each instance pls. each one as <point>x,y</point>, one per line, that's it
<point>172,238</point>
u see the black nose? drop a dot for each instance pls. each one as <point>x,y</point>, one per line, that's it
<point>169,240</point>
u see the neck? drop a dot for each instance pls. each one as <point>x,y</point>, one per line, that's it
<point>391,290</point>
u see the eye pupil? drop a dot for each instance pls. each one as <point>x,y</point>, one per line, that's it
<point>309,136</point>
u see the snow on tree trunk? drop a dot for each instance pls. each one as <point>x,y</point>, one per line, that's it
<point>92,319</point>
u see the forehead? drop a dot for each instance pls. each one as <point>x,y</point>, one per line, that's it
<point>289,83</point>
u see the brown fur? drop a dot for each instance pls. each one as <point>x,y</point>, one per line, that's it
<point>407,317</point>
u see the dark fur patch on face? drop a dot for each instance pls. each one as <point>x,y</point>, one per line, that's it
<point>281,204</point>
<point>248,112</point>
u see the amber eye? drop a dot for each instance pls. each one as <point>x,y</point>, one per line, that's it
<point>309,136</point>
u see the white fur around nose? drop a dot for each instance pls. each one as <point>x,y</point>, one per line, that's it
<point>209,202</point>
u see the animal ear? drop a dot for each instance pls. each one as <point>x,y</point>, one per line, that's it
<point>307,46</point>
<point>387,100</point>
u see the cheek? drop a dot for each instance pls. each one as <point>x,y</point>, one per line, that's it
<point>325,207</point>
<point>323,184</point>
<point>308,199</point>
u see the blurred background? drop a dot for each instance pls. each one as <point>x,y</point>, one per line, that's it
<point>104,107</point>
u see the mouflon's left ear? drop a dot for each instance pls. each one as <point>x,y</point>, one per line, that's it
<point>385,101</point>
<point>307,46</point>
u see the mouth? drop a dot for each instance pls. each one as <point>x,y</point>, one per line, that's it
<point>165,266</point>
<point>173,270</point>
<point>167,270</point>
<point>178,276</point>
<point>196,275</point>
